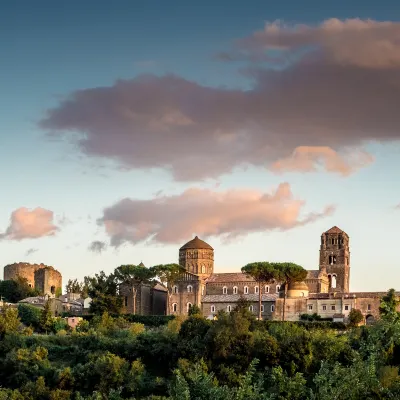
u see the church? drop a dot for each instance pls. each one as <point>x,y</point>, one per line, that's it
<point>325,291</point>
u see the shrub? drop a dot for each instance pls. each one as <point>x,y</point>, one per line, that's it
<point>29,315</point>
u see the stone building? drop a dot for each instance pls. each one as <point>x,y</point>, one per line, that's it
<point>44,278</point>
<point>325,291</point>
<point>144,299</point>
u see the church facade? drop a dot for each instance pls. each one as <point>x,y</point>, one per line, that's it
<point>325,291</point>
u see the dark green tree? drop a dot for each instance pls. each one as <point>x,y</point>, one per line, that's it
<point>261,272</point>
<point>194,310</point>
<point>15,290</point>
<point>355,317</point>
<point>46,319</point>
<point>103,290</point>
<point>388,306</point>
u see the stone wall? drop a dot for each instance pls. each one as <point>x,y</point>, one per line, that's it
<point>210,309</point>
<point>48,281</point>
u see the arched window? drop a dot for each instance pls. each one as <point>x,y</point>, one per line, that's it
<point>203,269</point>
<point>246,290</point>
<point>174,307</point>
<point>272,308</point>
<point>333,281</point>
<point>188,306</point>
<point>228,308</point>
<point>262,308</point>
<point>256,289</point>
<point>175,289</point>
<point>224,290</point>
<point>53,290</point>
<point>212,309</point>
<point>278,288</point>
<point>202,290</point>
<point>235,290</point>
<point>190,288</point>
<point>266,289</point>
<point>251,308</point>
<point>332,259</point>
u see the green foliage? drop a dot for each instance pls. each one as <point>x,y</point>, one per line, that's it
<point>15,290</point>
<point>103,290</point>
<point>9,321</point>
<point>30,315</point>
<point>149,320</point>
<point>355,317</point>
<point>388,306</point>
<point>74,286</point>
<point>46,319</point>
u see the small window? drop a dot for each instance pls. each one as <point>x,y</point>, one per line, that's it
<point>190,288</point>
<point>369,307</point>
<point>235,290</point>
<point>324,308</point>
<point>251,308</point>
<point>262,308</point>
<point>213,309</point>
<point>53,289</point>
<point>266,289</point>
<point>174,307</point>
<point>272,308</point>
<point>126,301</point>
<point>228,308</point>
<point>203,269</point>
<point>346,307</point>
<point>310,307</point>
<point>278,288</point>
<point>246,290</point>
<point>188,306</point>
<point>333,308</point>
<point>175,289</point>
<point>224,290</point>
<point>202,291</point>
<point>73,319</point>
<point>256,289</point>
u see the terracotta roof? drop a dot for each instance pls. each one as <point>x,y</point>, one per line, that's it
<point>196,243</point>
<point>232,298</point>
<point>229,277</point>
<point>312,274</point>
<point>334,229</point>
<point>160,287</point>
<point>358,295</point>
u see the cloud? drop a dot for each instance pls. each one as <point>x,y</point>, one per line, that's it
<point>308,159</point>
<point>30,251</point>
<point>226,214</point>
<point>335,85</point>
<point>97,246</point>
<point>30,224</point>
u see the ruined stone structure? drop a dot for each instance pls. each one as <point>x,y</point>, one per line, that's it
<point>44,278</point>
<point>325,291</point>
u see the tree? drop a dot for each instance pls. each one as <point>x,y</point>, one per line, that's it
<point>16,289</point>
<point>74,286</point>
<point>30,315</point>
<point>288,273</point>
<point>9,321</point>
<point>355,317</point>
<point>261,272</point>
<point>194,310</point>
<point>103,290</point>
<point>46,319</point>
<point>134,275</point>
<point>168,274</point>
<point>388,306</point>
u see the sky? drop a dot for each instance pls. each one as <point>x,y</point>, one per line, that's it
<point>127,128</point>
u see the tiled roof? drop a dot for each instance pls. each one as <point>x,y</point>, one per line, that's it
<point>196,243</point>
<point>160,287</point>
<point>232,298</point>
<point>334,229</point>
<point>229,277</point>
<point>312,274</point>
<point>358,295</point>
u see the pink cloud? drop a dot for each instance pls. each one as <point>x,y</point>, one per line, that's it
<point>337,88</point>
<point>30,224</point>
<point>312,158</point>
<point>226,214</point>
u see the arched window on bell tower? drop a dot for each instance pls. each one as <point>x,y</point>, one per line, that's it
<point>332,259</point>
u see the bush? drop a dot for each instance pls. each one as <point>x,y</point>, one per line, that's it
<point>149,320</point>
<point>29,315</point>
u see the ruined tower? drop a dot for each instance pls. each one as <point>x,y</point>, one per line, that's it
<point>334,255</point>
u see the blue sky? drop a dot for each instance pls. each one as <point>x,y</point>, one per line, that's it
<point>48,51</point>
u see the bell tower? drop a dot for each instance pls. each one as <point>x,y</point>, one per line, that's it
<point>334,256</point>
<point>197,257</point>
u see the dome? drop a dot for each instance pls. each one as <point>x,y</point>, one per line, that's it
<point>196,243</point>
